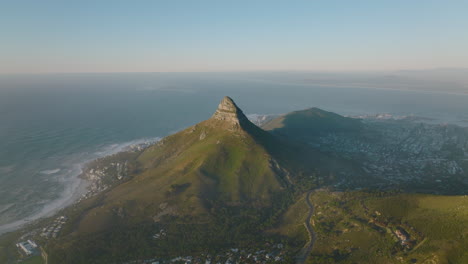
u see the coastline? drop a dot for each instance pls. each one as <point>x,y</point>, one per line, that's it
<point>71,194</point>
<point>77,186</point>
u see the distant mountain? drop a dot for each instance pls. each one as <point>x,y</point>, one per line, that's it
<point>312,122</point>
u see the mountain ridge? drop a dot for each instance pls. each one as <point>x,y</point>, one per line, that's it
<point>225,184</point>
<point>311,122</point>
<point>223,161</point>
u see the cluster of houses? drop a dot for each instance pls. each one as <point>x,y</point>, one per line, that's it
<point>142,145</point>
<point>54,229</point>
<point>101,175</point>
<point>275,254</point>
<point>96,176</point>
<point>403,151</point>
<point>402,236</point>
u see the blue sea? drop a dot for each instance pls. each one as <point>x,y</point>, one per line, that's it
<point>50,125</point>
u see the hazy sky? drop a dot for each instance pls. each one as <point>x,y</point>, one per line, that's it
<point>196,35</point>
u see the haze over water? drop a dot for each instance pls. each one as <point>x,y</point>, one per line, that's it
<point>51,124</point>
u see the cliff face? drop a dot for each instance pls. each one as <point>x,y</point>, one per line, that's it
<point>229,112</point>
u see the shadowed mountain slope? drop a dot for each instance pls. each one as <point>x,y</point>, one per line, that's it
<point>312,122</point>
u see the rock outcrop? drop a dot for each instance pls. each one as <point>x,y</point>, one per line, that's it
<point>229,112</point>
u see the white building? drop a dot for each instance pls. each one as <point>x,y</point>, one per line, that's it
<point>28,247</point>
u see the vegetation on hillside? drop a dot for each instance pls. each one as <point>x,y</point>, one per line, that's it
<point>362,227</point>
<point>225,183</point>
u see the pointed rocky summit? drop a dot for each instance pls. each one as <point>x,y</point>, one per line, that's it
<point>229,112</point>
<point>201,180</point>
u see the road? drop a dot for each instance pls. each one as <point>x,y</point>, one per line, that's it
<point>305,251</point>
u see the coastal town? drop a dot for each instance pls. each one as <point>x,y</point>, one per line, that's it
<point>53,230</point>
<point>105,172</point>
<point>100,174</point>
<point>396,152</point>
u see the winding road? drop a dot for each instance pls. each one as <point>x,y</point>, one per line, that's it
<point>305,251</point>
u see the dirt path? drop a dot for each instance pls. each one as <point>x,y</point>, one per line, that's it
<point>305,251</point>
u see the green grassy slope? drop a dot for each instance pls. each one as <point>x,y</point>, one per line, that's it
<point>220,178</point>
<point>359,227</point>
<point>227,183</point>
<point>197,166</point>
<point>33,260</point>
<point>225,178</point>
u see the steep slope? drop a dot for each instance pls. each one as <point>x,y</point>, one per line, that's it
<point>224,159</point>
<point>218,183</point>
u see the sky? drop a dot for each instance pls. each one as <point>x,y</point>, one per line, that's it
<point>203,36</point>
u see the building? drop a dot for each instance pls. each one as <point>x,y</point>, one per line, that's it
<point>27,247</point>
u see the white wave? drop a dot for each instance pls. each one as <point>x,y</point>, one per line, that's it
<point>116,148</point>
<point>6,169</point>
<point>75,187</point>
<point>48,172</point>
<point>6,207</point>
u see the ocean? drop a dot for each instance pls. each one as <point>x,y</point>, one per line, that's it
<point>50,125</point>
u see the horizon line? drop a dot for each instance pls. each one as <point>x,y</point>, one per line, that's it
<point>238,71</point>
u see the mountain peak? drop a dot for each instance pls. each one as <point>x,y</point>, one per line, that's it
<point>229,112</point>
<point>228,105</point>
